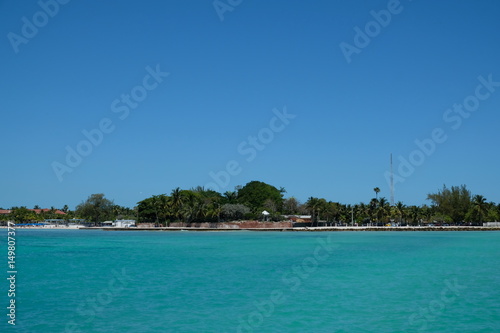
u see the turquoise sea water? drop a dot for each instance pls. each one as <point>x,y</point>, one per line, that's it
<point>98,281</point>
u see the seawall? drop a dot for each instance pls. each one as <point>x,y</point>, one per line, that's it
<point>266,227</point>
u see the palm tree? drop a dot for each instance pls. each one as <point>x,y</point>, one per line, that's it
<point>383,210</point>
<point>329,210</point>
<point>400,208</point>
<point>215,209</point>
<point>313,205</point>
<point>426,212</point>
<point>231,196</point>
<point>163,202</point>
<point>480,206</point>
<point>362,211</point>
<point>377,191</point>
<point>198,188</point>
<point>372,209</point>
<point>176,201</point>
<point>344,212</point>
<point>116,211</point>
<point>191,206</point>
<point>414,213</point>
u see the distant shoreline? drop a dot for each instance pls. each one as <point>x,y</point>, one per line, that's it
<point>308,229</point>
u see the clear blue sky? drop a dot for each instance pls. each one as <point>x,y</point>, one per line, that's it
<point>225,79</point>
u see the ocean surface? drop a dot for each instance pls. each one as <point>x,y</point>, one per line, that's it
<point>244,281</point>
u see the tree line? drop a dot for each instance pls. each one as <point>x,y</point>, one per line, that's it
<point>455,205</point>
<point>448,205</point>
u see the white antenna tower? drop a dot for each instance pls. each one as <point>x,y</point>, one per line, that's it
<point>392,184</point>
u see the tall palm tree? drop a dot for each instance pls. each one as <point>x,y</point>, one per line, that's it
<point>414,213</point>
<point>215,209</point>
<point>191,206</point>
<point>372,209</point>
<point>361,212</point>
<point>377,191</point>
<point>313,205</point>
<point>176,201</point>
<point>400,208</point>
<point>480,206</point>
<point>383,210</point>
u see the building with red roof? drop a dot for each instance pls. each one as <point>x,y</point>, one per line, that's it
<point>38,211</point>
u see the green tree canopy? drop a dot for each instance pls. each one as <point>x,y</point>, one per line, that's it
<point>96,208</point>
<point>22,214</point>
<point>479,209</point>
<point>255,194</point>
<point>452,202</point>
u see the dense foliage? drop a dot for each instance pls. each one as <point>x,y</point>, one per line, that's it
<point>455,205</point>
<point>260,196</point>
<point>96,208</point>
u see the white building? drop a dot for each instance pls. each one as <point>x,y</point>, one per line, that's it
<point>119,223</point>
<point>124,223</point>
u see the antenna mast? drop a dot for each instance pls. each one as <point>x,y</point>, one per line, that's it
<point>392,184</point>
